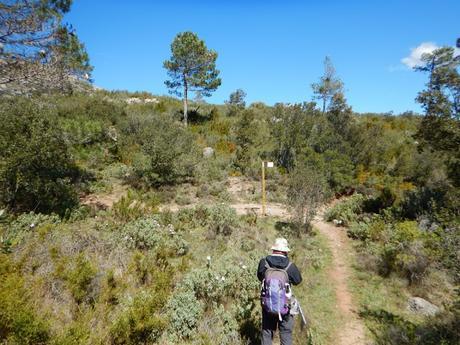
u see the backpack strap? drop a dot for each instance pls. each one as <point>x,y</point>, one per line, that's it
<point>267,266</point>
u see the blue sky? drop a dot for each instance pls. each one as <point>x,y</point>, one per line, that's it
<point>274,50</point>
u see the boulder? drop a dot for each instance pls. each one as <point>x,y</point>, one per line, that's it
<point>337,222</point>
<point>208,152</point>
<point>421,306</point>
<point>137,100</point>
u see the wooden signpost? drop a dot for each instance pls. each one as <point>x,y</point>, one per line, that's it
<point>264,201</point>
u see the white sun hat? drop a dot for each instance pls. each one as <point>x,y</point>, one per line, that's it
<point>281,245</point>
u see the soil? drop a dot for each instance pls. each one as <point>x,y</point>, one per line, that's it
<point>353,330</point>
<point>105,201</point>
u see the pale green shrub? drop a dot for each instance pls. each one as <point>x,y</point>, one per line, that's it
<point>228,291</point>
<point>149,233</point>
<point>221,327</point>
<point>143,233</point>
<point>224,280</point>
<point>223,219</point>
<point>27,222</point>
<point>220,219</point>
<point>184,312</point>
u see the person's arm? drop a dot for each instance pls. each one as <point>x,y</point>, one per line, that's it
<point>295,277</point>
<point>261,270</point>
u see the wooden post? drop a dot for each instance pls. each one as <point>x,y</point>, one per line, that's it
<point>263,188</point>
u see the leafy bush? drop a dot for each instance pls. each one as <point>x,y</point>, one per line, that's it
<point>219,219</point>
<point>37,171</point>
<point>19,322</point>
<point>92,107</point>
<point>135,204</point>
<point>340,170</point>
<point>369,228</point>
<point>399,247</point>
<point>346,211</point>
<point>164,162</point>
<point>144,233</point>
<point>185,312</point>
<point>221,327</point>
<point>140,320</point>
<point>148,233</point>
<point>25,223</point>
<point>224,280</point>
<point>222,220</point>
<point>78,275</point>
<point>307,189</point>
<point>228,292</point>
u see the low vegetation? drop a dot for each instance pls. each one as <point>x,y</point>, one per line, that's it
<point>116,225</point>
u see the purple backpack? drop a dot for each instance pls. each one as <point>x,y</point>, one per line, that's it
<point>275,290</point>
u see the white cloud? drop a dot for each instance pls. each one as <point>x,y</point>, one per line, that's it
<point>415,57</point>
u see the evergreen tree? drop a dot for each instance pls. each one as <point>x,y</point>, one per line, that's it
<point>192,67</point>
<point>328,85</point>
<point>37,51</point>
<point>440,128</point>
<point>236,102</point>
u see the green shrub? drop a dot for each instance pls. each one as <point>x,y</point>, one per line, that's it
<point>19,322</point>
<point>140,321</point>
<point>221,327</point>
<point>26,223</point>
<point>228,292</point>
<point>144,233</point>
<point>219,219</point>
<point>91,107</point>
<point>340,170</point>
<point>190,218</point>
<point>135,204</point>
<point>185,312</point>
<point>404,249</point>
<point>346,211</point>
<point>225,279</point>
<point>368,228</point>
<point>163,161</point>
<point>37,171</point>
<point>183,199</point>
<point>222,220</point>
<point>78,276</point>
<point>149,233</point>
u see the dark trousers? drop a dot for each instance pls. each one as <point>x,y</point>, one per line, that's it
<point>269,325</point>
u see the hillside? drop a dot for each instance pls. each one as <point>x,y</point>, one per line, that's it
<point>116,229</point>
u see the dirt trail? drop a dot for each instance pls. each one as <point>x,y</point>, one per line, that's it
<point>105,200</point>
<point>352,332</point>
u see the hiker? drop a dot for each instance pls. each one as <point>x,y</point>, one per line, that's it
<point>277,274</point>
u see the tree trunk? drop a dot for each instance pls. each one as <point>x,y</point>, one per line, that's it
<point>324,105</point>
<point>185,101</point>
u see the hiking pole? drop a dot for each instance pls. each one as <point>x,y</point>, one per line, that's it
<point>303,322</point>
<point>298,310</point>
